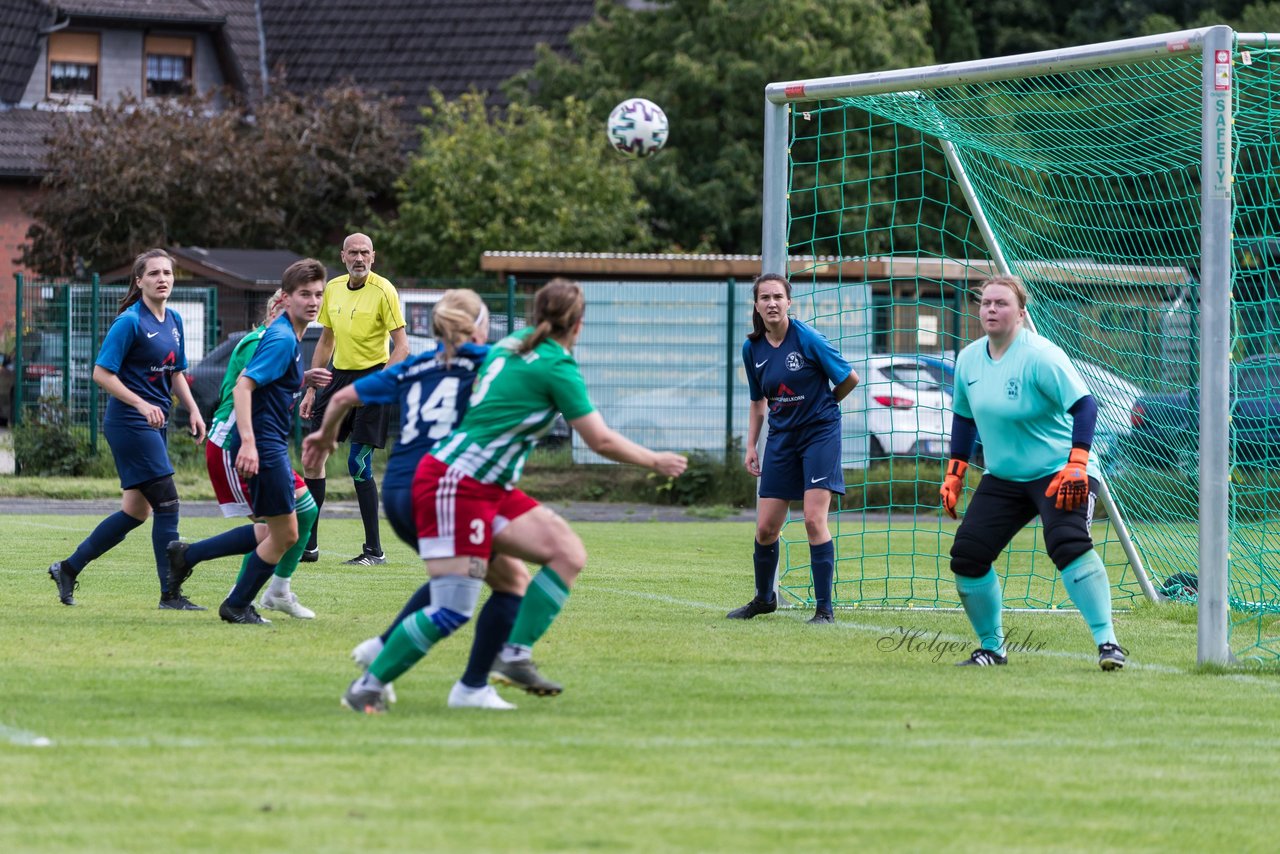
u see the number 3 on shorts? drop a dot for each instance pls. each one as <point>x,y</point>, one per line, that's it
<point>477,531</point>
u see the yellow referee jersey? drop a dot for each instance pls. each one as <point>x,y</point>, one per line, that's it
<point>362,321</point>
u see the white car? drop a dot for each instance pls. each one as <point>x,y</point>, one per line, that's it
<point>899,406</point>
<point>897,409</point>
<point>1115,396</point>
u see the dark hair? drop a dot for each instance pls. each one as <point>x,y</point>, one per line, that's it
<point>557,307</point>
<point>757,322</point>
<point>300,273</point>
<point>139,268</point>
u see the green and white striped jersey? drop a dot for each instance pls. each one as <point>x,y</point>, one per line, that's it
<point>224,416</point>
<point>514,401</point>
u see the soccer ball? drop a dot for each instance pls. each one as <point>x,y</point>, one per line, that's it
<point>637,128</point>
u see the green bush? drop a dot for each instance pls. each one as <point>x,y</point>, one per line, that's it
<point>710,479</point>
<point>45,443</point>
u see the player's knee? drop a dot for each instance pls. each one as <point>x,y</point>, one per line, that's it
<point>161,494</point>
<point>360,462</point>
<point>969,558</point>
<point>1066,553</point>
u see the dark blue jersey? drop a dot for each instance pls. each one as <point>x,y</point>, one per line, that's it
<point>433,397</point>
<point>795,377</point>
<point>144,353</point>
<point>276,369</point>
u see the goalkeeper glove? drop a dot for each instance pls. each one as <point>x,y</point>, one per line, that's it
<point>952,486</point>
<point>1071,485</point>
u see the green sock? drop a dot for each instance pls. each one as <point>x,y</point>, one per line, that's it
<point>983,605</point>
<point>308,512</point>
<point>542,603</point>
<point>405,646</point>
<point>1086,581</point>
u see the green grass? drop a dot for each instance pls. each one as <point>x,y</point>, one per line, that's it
<point>678,730</point>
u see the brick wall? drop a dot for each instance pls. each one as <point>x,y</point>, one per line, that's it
<point>14,222</point>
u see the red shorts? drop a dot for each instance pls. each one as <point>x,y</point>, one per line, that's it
<point>457,515</point>
<point>229,488</point>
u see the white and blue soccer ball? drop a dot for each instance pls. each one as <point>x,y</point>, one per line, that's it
<point>638,128</point>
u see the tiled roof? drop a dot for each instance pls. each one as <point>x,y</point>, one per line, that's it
<point>237,266</point>
<point>20,24</point>
<point>141,10</point>
<point>22,145</point>
<point>408,47</point>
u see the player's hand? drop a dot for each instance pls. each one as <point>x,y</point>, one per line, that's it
<point>198,428</point>
<point>316,448</point>
<point>247,461</point>
<point>308,402</point>
<point>153,414</point>
<point>669,463</point>
<point>1071,485</point>
<point>952,486</point>
<point>318,377</point>
<point>752,462</point>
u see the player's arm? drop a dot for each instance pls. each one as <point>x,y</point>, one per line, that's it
<point>612,445</point>
<point>182,389</point>
<point>1070,487</point>
<point>846,385</point>
<point>247,458</point>
<point>319,359</point>
<point>755,423</point>
<point>964,432</point>
<point>323,442</point>
<point>399,346</point>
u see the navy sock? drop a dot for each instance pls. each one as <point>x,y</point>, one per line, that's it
<point>237,541</point>
<point>493,627</point>
<point>316,486</point>
<point>164,530</point>
<point>822,564</point>
<point>110,533</point>
<point>257,573</point>
<point>766,564</point>
<point>420,599</point>
<point>367,497</point>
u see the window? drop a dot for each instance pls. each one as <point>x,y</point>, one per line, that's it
<point>169,66</point>
<point>73,65</point>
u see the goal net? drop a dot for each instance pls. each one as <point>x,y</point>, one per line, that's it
<point>1133,187</point>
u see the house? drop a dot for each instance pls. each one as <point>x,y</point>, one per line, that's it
<point>60,57</point>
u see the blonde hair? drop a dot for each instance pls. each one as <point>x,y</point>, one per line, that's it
<point>275,305</point>
<point>456,317</point>
<point>557,307</point>
<point>1013,283</point>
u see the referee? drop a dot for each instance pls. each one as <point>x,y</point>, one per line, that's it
<point>360,311</point>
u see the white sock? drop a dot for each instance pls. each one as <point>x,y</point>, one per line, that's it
<point>279,587</point>
<point>511,653</point>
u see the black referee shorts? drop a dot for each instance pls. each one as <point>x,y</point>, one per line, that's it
<point>999,509</point>
<point>364,424</point>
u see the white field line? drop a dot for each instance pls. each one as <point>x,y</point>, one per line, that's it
<point>22,738</point>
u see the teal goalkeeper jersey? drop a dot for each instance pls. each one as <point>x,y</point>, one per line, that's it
<point>1020,404</point>
<point>513,404</point>
<point>224,418</point>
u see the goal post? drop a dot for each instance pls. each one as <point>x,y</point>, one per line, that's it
<point>1120,181</point>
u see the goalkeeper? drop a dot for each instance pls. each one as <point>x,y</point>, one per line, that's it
<point>1036,418</point>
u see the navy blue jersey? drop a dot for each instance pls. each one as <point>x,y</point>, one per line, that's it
<point>795,377</point>
<point>276,369</point>
<point>144,353</point>
<point>433,398</point>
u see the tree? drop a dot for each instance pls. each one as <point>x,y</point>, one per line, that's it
<point>519,180</point>
<point>706,63</point>
<point>133,175</point>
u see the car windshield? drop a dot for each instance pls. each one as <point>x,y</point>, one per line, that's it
<point>912,374</point>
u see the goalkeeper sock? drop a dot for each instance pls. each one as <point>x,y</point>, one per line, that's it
<point>1086,581</point>
<point>983,605</point>
<point>766,564</point>
<point>543,600</point>
<point>822,565</point>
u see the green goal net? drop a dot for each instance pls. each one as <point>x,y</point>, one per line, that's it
<point>1084,178</point>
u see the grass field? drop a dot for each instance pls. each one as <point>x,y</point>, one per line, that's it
<point>678,730</point>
